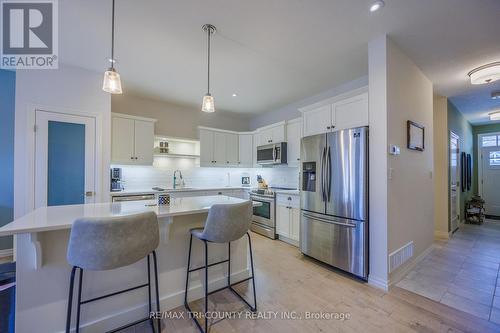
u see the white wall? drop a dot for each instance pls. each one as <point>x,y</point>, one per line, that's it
<point>67,88</point>
<point>441,168</point>
<point>176,120</point>
<point>401,205</point>
<point>377,90</point>
<point>411,188</point>
<point>291,111</point>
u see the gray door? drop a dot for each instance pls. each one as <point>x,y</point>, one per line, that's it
<point>346,173</point>
<point>339,242</point>
<point>312,157</point>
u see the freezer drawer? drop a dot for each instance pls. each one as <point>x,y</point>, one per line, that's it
<point>338,242</point>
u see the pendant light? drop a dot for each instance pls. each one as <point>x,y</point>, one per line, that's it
<point>208,100</point>
<point>112,83</point>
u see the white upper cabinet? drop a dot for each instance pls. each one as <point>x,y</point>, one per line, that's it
<point>351,112</point>
<point>206,147</point>
<point>245,150</point>
<point>317,121</point>
<point>271,134</point>
<point>144,136</point>
<point>232,143</point>
<point>293,136</point>
<point>218,148</point>
<point>340,114</point>
<point>132,140</point>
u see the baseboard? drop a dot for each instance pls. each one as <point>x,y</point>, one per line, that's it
<point>378,283</point>
<point>288,240</point>
<point>6,253</point>
<point>443,235</point>
<point>167,302</point>
<point>399,274</point>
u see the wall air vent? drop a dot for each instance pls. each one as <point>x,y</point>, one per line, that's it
<point>400,256</point>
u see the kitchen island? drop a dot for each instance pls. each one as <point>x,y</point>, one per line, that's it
<point>43,272</point>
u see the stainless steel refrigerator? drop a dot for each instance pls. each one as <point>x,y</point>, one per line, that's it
<point>334,193</point>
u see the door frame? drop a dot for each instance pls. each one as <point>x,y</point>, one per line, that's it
<point>480,160</point>
<point>31,151</point>
<point>459,171</point>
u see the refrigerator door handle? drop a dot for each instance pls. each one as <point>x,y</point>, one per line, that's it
<point>329,174</point>
<point>323,161</point>
<point>349,225</point>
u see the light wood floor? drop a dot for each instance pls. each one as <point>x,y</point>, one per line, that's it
<point>287,281</point>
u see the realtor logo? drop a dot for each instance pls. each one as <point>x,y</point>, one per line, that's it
<point>29,34</point>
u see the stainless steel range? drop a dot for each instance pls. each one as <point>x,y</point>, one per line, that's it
<point>264,217</point>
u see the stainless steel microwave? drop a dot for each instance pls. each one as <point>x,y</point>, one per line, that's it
<point>274,153</point>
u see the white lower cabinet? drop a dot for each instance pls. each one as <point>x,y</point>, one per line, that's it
<point>288,218</point>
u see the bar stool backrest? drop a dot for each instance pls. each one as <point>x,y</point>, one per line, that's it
<point>112,242</point>
<point>227,222</point>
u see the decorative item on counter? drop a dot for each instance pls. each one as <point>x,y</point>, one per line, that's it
<point>262,184</point>
<point>245,180</point>
<point>163,199</point>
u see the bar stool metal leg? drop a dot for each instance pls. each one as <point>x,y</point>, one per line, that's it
<point>206,285</point>
<point>187,273</point>
<point>253,273</point>
<point>70,299</point>
<point>78,306</point>
<point>157,290</point>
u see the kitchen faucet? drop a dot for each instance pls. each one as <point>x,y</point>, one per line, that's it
<point>175,178</point>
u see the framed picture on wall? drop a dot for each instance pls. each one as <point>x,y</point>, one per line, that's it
<point>416,136</point>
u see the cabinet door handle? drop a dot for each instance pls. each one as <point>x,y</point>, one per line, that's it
<point>131,157</point>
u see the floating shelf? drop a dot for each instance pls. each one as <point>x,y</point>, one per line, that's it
<point>177,155</point>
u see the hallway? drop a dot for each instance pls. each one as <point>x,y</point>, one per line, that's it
<point>462,272</point>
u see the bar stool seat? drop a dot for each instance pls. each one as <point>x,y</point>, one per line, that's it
<point>99,244</point>
<point>225,223</point>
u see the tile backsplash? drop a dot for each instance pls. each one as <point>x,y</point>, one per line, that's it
<point>161,174</point>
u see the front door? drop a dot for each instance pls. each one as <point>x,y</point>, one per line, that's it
<point>490,174</point>
<point>454,180</point>
<point>64,159</point>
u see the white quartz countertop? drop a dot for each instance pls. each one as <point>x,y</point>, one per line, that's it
<point>289,192</point>
<point>170,190</point>
<point>62,217</point>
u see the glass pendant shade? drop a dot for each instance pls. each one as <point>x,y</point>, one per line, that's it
<point>208,103</point>
<point>112,83</point>
<point>485,74</point>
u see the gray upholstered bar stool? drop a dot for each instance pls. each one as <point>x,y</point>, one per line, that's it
<point>99,244</point>
<point>225,223</point>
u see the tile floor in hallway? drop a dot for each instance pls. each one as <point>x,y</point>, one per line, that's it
<point>462,272</point>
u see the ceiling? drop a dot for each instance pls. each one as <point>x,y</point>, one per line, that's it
<point>275,52</point>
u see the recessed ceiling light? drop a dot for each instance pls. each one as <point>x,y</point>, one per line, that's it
<point>377,5</point>
<point>234,94</point>
<point>485,74</point>
<point>495,115</point>
<point>495,95</point>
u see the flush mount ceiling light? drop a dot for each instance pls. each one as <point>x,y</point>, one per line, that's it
<point>377,5</point>
<point>208,100</point>
<point>234,95</point>
<point>495,95</point>
<point>112,83</point>
<point>485,74</point>
<point>495,115</point>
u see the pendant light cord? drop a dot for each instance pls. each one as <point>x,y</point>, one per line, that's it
<point>208,60</point>
<point>113,35</point>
